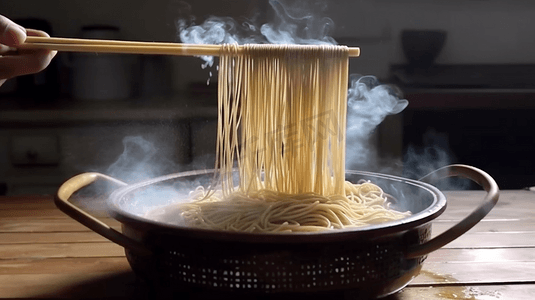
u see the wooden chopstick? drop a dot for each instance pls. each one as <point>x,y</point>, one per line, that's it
<point>128,47</point>
<point>56,40</point>
<point>112,46</point>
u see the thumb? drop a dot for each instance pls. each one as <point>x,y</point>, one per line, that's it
<point>11,34</point>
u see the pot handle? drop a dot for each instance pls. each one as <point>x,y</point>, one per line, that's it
<point>474,174</point>
<point>74,184</point>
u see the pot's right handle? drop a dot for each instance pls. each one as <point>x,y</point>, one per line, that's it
<point>474,174</point>
<point>74,184</point>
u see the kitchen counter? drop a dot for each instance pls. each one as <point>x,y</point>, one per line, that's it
<point>46,254</point>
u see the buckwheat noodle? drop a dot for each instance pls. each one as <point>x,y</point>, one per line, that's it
<point>281,124</point>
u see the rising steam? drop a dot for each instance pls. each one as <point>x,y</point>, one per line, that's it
<point>368,104</point>
<point>140,160</point>
<point>216,30</point>
<point>368,101</point>
<point>292,25</point>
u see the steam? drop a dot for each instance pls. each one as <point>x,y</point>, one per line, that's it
<point>140,160</point>
<point>298,28</point>
<point>216,30</point>
<point>292,25</point>
<point>434,154</point>
<point>368,101</point>
<point>368,104</point>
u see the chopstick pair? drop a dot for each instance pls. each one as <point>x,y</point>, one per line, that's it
<point>128,47</point>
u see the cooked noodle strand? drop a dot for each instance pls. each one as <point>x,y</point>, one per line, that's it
<point>282,119</point>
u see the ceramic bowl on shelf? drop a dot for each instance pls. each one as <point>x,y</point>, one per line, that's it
<point>422,47</point>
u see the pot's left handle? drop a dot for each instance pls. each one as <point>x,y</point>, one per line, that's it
<point>76,183</point>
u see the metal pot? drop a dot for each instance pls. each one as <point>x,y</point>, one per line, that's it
<point>372,261</point>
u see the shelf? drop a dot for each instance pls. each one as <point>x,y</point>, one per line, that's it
<point>176,107</point>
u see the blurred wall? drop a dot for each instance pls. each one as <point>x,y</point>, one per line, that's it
<point>479,31</point>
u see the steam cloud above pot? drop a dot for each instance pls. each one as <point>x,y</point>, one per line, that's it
<point>295,23</point>
<point>369,102</point>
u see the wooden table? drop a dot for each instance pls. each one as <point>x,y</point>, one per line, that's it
<point>45,254</point>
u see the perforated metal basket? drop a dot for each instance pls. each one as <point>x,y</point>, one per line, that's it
<point>372,261</point>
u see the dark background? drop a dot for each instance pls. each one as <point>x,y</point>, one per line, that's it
<point>475,103</point>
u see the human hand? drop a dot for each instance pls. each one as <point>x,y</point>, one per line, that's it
<point>20,62</point>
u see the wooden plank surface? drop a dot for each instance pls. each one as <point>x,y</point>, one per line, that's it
<point>511,204</point>
<point>48,224</point>
<point>30,202</point>
<point>32,213</point>
<point>484,292</point>
<point>45,254</point>
<point>99,285</point>
<point>67,265</point>
<point>7,238</point>
<point>56,250</point>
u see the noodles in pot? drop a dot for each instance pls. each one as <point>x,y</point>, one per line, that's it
<point>281,123</point>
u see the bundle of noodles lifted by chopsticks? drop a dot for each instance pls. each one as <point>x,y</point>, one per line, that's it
<point>282,117</point>
<point>281,123</point>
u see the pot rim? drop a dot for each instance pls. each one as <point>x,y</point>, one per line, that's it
<point>436,208</point>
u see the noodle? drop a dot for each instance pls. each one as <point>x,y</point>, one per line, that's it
<point>269,211</point>
<point>282,119</point>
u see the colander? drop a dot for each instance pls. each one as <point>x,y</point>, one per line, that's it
<point>372,261</point>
